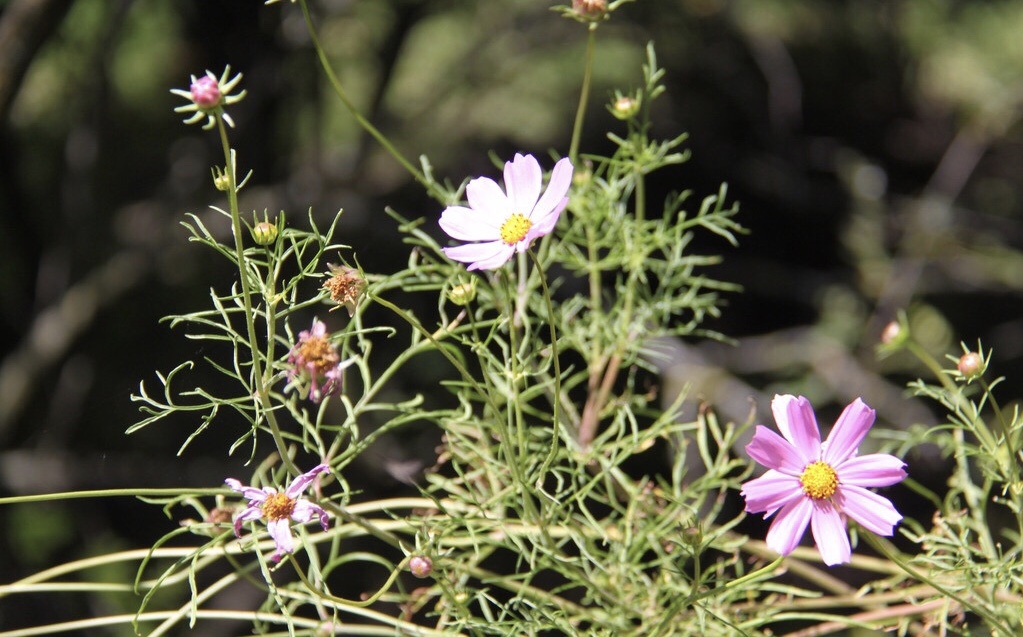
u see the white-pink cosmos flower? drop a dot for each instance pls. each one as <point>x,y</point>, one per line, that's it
<point>819,484</point>
<point>505,222</point>
<point>280,508</point>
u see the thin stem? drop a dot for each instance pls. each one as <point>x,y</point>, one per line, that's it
<point>885,548</point>
<point>556,416</point>
<point>262,393</point>
<point>431,187</point>
<point>584,95</point>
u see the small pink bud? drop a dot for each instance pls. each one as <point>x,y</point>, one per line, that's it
<point>625,107</point>
<point>264,233</point>
<point>971,365</point>
<point>420,566</point>
<point>590,8</point>
<point>205,92</point>
<point>890,332</point>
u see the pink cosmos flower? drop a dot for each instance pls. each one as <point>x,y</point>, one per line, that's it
<point>819,484</point>
<point>315,358</point>
<point>503,223</point>
<point>279,509</point>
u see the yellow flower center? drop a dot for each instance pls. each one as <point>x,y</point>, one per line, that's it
<point>515,228</point>
<point>819,480</point>
<point>277,506</point>
<point>318,352</point>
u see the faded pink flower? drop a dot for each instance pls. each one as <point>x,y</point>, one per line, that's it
<point>280,508</point>
<point>819,484</point>
<point>314,358</point>
<point>505,222</point>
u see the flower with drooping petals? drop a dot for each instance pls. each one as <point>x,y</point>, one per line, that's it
<point>315,358</point>
<point>505,222</point>
<point>280,508</point>
<point>820,484</point>
<point>208,95</point>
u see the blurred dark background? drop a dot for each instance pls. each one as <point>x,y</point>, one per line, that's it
<point>874,146</point>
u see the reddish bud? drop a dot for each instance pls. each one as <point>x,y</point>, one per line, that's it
<point>205,92</point>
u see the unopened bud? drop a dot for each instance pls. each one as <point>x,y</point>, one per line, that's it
<point>420,566</point>
<point>264,233</point>
<point>205,92</point>
<point>971,365</point>
<point>891,333</point>
<point>692,536</point>
<point>590,9</point>
<point>625,107</point>
<point>221,180</point>
<point>463,293</point>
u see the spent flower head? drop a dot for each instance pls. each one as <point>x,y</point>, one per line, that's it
<point>278,509</point>
<point>208,95</point>
<point>315,360</point>
<point>820,484</point>
<point>345,286</point>
<point>505,222</point>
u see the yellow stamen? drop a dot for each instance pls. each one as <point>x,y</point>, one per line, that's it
<point>318,352</point>
<point>277,506</point>
<point>819,480</point>
<point>515,229</point>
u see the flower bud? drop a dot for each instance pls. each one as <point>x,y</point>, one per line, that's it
<point>463,293</point>
<point>625,107</point>
<point>221,180</point>
<point>692,536</point>
<point>264,233</point>
<point>590,9</point>
<point>971,365</point>
<point>206,92</point>
<point>420,566</point>
<point>891,333</point>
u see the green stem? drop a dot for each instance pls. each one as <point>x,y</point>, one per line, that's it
<point>884,548</point>
<point>431,187</point>
<point>262,392</point>
<point>584,95</point>
<point>556,415</point>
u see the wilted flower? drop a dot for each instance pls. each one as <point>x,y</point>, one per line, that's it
<point>208,95</point>
<point>504,224</point>
<point>345,286</point>
<point>314,357</point>
<point>279,508</point>
<point>819,484</point>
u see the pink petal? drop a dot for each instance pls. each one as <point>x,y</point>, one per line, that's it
<point>847,434</point>
<point>280,531</point>
<point>481,256</point>
<point>871,470</point>
<point>829,534</point>
<point>252,494</point>
<point>486,196</point>
<point>306,511</point>
<point>299,484</point>
<point>522,179</point>
<point>553,200</point>
<point>788,527</point>
<point>251,513</point>
<point>873,512</point>
<point>543,224</point>
<point>797,422</point>
<point>775,452</point>
<point>467,224</point>
<point>770,492</point>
